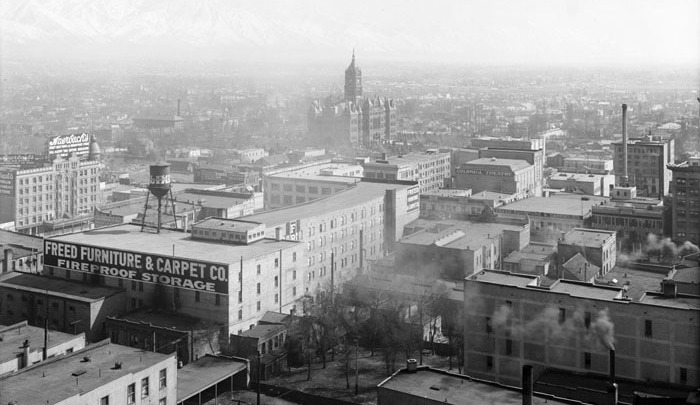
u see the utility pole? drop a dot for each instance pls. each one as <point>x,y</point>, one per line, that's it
<point>46,328</point>
<point>357,371</point>
<point>259,374</point>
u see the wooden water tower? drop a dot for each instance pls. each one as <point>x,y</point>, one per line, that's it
<point>159,186</point>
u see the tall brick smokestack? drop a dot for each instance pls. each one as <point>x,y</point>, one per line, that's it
<point>612,386</point>
<point>625,175</point>
<point>612,366</point>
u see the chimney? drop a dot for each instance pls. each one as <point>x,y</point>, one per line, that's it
<point>178,107</point>
<point>411,365</point>
<point>8,263</point>
<point>26,352</point>
<point>527,384</point>
<point>668,287</point>
<point>625,175</point>
<point>612,387</point>
<point>612,366</point>
<point>278,233</point>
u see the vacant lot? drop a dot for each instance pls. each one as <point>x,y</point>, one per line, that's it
<point>331,381</point>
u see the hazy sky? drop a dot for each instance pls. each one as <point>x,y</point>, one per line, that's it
<point>481,32</point>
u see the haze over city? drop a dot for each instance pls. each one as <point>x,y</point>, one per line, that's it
<point>209,202</point>
<point>511,33</point>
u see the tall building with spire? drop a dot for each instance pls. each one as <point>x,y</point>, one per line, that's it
<point>356,120</point>
<point>353,81</point>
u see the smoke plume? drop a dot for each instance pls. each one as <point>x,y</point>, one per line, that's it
<point>666,249</point>
<point>553,325</point>
<point>604,329</point>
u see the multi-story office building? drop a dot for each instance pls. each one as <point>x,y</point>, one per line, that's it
<point>647,162</point>
<point>249,155</point>
<point>632,217</point>
<point>460,204</point>
<point>685,190</point>
<point>452,249</point>
<point>589,184</point>
<point>353,121</point>
<point>510,143</point>
<point>225,272</point>
<point>589,165</point>
<point>429,169</point>
<point>505,176</point>
<point>513,319</point>
<point>307,182</point>
<point>535,157</point>
<point>65,189</point>
<point>550,216</point>
<point>344,230</point>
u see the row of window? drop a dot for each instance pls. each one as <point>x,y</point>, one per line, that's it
<point>145,390</point>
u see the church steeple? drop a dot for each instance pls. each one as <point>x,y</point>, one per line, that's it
<point>353,81</point>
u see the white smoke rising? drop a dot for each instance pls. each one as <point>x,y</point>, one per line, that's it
<point>552,325</point>
<point>604,329</point>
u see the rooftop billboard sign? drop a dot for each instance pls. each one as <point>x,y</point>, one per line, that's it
<point>165,270</point>
<point>64,145</point>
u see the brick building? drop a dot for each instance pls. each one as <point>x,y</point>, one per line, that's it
<point>567,326</point>
<point>685,189</point>
<point>66,189</point>
<point>430,169</point>
<point>648,160</point>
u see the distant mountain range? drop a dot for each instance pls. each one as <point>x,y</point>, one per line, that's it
<point>474,31</point>
<point>212,27</point>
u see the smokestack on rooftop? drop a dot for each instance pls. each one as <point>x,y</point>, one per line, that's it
<point>527,384</point>
<point>612,387</point>
<point>625,175</point>
<point>612,366</point>
<point>178,107</point>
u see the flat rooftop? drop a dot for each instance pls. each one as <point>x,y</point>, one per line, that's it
<point>57,382</point>
<point>134,206</point>
<point>587,237</point>
<point>685,302</point>
<point>585,383</point>
<point>130,238</point>
<point>212,201</point>
<point>410,158</point>
<point>513,164</point>
<point>638,282</point>
<point>449,192</point>
<point>454,234</point>
<point>491,195</point>
<point>164,319</point>
<point>445,387</point>
<point>559,204</point>
<point>317,177</point>
<point>204,373</point>
<point>588,291</point>
<point>580,177</point>
<point>13,337</point>
<point>361,193</point>
<point>504,278</point>
<point>58,287</point>
<point>227,224</point>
